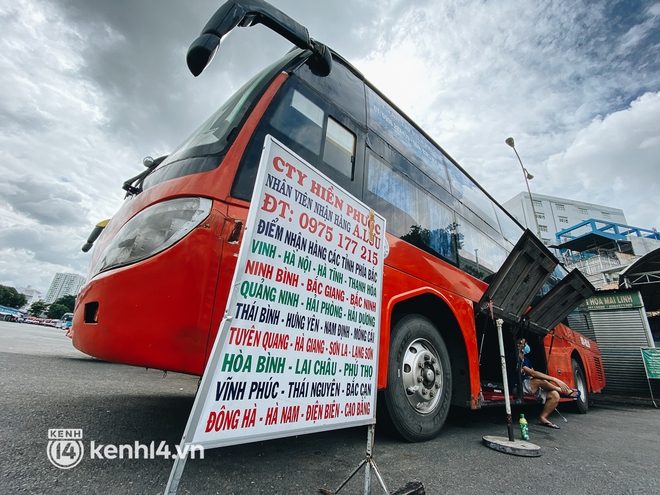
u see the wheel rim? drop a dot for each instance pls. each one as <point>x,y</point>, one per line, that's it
<point>581,386</point>
<point>422,376</point>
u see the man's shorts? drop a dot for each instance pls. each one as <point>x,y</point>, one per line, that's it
<point>540,393</point>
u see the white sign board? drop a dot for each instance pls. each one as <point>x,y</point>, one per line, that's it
<point>297,351</point>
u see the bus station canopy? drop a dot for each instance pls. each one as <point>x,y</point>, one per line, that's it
<point>599,234</point>
<point>595,240</point>
<point>644,275</point>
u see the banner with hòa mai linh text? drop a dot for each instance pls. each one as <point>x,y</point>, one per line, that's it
<point>297,351</point>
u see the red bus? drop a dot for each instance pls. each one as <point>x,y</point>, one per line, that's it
<point>160,270</point>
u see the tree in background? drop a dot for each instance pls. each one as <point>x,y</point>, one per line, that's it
<point>56,310</point>
<point>68,301</point>
<point>37,308</point>
<point>11,297</point>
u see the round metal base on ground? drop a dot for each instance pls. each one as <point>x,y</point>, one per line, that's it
<point>515,447</point>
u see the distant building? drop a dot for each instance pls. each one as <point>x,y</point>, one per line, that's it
<point>555,214</point>
<point>64,284</point>
<point>32,295</point>
<point>593,238</point>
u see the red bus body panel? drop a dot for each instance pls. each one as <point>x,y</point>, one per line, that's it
<point>171,330</point>
<point>406,274</point>
<point>565,344</point>
<point>164,312</point>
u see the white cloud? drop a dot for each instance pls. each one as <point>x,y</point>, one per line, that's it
<point>55,156</point>
<point>616,161</point>
<point>474,73</point>
<point>638,33</point>
<point>89,88</point>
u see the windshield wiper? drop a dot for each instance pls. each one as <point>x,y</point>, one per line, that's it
<point>134,184</point>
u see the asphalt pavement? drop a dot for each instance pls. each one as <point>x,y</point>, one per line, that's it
<point>614,449</point>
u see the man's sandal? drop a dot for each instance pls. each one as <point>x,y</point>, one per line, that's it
<point>549,425</point>
<point>575,394</point>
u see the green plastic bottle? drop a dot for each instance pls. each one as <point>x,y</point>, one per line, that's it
<point>524,429</point>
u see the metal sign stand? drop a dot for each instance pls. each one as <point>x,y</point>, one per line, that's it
<point>175,475</point>
<point>509,445</point>
<point>369,464</point>
<point>505,380</point>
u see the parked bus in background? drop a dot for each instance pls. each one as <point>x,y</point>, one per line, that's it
<point>161,269</point>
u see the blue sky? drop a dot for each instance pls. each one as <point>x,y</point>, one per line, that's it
<point>89,88</point>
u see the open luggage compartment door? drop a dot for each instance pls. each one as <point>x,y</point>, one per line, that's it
<point>559,302</point>
<point>519,279</point>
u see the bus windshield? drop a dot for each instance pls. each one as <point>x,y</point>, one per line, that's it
<point>205,148</point>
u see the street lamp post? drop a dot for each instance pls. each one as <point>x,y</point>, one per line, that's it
<point>528,177</point>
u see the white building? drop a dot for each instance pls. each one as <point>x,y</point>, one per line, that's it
<point>596,239</point>
<point>555,214</point>
<point>64,284</point>
<point>33,295</point>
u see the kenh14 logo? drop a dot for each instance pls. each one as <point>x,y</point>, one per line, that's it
<point>65,448</point>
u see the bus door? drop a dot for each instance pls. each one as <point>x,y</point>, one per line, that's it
<point>320,131</point>
<point>342,158</point>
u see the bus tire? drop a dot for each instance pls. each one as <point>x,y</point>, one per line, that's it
<point>580,405</point>
<point>419,384</point>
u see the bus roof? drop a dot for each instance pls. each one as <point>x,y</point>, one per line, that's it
<point>246,13</point>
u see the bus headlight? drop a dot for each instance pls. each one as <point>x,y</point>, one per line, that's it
<point>153,230</point>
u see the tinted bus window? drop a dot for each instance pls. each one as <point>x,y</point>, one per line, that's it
<point>467,197</point>
<point>339,152</point>
<point>479,255</point>
<point>468,193</point>
<point>396,130</point>
<point>301,120</point>
<point>412,214</point>
<point>510,229</point>
<point>341,87</point>
<point>313,128</point>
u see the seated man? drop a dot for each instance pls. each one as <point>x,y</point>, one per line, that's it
<point>545,388</point>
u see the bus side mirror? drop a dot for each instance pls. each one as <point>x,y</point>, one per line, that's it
<point>201,52</point>
<point>203,49</point>
<point>322,59</point>
<point>96,232</point>
<point>246,13</point>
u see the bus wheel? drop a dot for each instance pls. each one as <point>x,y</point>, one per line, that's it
<point>582,404</point>
<point>418,379</point>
